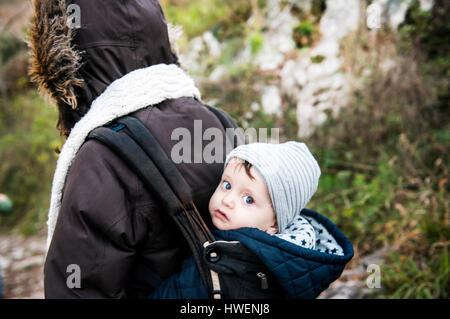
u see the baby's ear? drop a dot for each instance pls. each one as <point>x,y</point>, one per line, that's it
<point>273,229</point>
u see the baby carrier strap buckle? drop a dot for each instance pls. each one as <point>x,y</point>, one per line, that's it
<point>214,256</point>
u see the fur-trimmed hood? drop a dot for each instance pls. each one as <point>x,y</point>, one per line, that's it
<point>79,47</point>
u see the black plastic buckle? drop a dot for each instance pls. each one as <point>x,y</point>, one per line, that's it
<point>217,292</point>
<point>116,126</point>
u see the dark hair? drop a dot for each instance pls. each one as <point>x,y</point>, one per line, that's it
<point>247,167</point>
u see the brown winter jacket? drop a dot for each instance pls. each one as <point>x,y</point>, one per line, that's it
<point>109,224</point>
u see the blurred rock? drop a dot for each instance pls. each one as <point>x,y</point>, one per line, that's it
<point>340,17</point>
<point>352,283</point>
<point>278,38</point>
<point>345,290</point>
<point>394,11</point>
<point>426,5</point>
<point>271,100</point>
<point>27,263</point>
<point>320,85</point>
<point>214,47</point>
<point>21,261</point>
<point>312,78</point>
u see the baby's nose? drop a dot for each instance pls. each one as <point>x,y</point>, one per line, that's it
<point>228,201</point>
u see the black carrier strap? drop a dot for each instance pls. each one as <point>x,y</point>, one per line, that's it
<point>135,145</point>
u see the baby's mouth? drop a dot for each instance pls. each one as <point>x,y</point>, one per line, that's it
<point>221,215</point>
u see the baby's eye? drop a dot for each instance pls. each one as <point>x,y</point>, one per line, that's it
<point>248,199</point>
<point>226,185</point>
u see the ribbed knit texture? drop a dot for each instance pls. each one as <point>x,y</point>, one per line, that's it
<point>132,92</point>
<point>290,172</point>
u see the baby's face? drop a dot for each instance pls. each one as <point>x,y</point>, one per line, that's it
<point>240,201</point>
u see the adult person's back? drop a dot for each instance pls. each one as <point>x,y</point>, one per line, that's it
<point>103,224</point>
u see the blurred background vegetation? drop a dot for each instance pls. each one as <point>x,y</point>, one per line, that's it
<point>384,156</point>
<point>27,128</point>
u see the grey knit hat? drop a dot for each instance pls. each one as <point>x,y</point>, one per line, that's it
<point>290,172</point>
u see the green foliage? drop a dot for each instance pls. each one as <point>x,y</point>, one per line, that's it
<point>224,20</point>
<point>28,138</point>
<point>317,59</point>
<point>256,42</point>
<point>9,46</point>
<point>377,202</point>
<point>318,7</point>
<point>227,56</point>
<point>429,31</point>
<point>356,200</point>
<point>13,69</point>
<point>194,16</point>
<point>303,34</point>
<point>262,3</point>
<point>385,160</point>
<point>418,276</point>
<point>305,29</point>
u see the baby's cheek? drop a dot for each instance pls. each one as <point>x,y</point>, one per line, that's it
<point>212,202</point>
<point>210,205</point>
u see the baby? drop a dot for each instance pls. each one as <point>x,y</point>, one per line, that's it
<point>263,186</point>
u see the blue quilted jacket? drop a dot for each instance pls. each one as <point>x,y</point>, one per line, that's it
<point>301,272</point>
